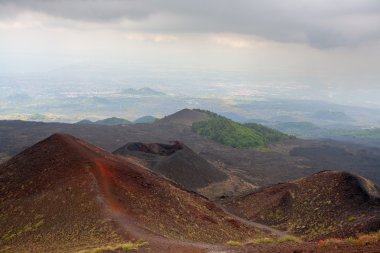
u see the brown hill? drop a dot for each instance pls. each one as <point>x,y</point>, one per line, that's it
<point>64,195</point>
<point>323,205</point>
<point>184,117</point>
<point>180,164</point>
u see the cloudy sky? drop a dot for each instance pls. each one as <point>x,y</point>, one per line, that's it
<point>328,45</point>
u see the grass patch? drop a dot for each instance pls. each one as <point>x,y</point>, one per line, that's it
<point>279,240</point>
<point>234,243</point>
<point>289,239</point>
<point>351,219</point>
<point>265,240</point>
<point>361,240</point>
<point>124,247</point>
<point>9,236</point>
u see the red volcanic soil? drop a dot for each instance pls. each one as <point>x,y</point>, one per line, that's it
<point>326,204</point>
<point>310,247</point>
<point>64,195</point>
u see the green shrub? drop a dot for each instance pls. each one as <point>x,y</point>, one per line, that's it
<point>234,243</point>
<point>264,241</point>
<point>125,247</point>
<point>288,239</point>
<point>231,133</point>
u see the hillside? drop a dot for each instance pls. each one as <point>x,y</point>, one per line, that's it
<point>326,204</point>
<point>145,92</point>
<point>370,136</point>
<point>368,133</point>
<point>106,122</point>
<point>112,121</point>
<point>231,133</point>
<point>145,119</point>
<point>84,122</point>
<point>296,128</point>
<point>332,116</point>
<point>64,195</point>
<point>270,135</point>
<point>180,164</point>
<point>185,117</point>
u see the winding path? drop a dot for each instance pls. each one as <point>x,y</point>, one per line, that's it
<point>174,245</point>
<point>279,233</point>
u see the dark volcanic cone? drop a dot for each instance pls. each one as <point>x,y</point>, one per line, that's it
<point>175,161</point>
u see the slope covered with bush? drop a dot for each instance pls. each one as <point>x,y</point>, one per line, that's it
<point>231,133</point>
<point>271,135</point>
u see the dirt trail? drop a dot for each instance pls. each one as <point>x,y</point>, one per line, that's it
<point>140,233</point>
<point>279,233</point>
<point>177,246</point>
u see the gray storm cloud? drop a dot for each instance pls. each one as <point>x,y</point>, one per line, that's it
<point>320,23</point>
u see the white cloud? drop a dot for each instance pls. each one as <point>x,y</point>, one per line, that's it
<point>231,41</point>
<point>23,21</point>
<point>164,38</point>
<point>321,23</point>
<point>158,38</point>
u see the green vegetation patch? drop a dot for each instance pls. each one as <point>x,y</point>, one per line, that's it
<point>265,240</point>
<point>234,243</point>
<point>270,135</point>
<point>289,239</point>
<point>129,246</point>
<point>30,227</point>
<point>231,133</point>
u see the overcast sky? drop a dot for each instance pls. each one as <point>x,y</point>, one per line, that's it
<point>317,43</point>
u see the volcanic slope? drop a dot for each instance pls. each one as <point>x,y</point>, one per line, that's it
<point>180,164</point>
<point>323,205</point>
<point>65,195</point>
<point>185,117</point>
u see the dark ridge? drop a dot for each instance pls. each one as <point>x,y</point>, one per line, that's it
<point>153,148</point>
<point>175,161</point>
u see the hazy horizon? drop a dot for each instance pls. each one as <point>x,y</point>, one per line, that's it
<point>241,50</point>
